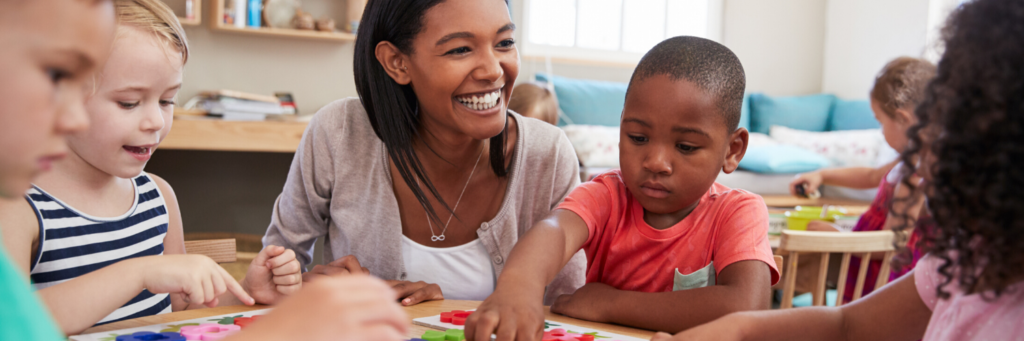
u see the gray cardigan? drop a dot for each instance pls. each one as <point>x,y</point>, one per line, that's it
<point>339,187</point>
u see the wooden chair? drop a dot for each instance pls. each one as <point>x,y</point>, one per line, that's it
<point>220,250</point>
<point>863,243</point>
<point>778,264</point>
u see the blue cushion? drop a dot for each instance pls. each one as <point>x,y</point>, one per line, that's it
<point>806,299</point>
<point>588,101</point>
<point>745,112</point>
<point>782,159</point>
<point>808,113</point>
<point>852,115</point>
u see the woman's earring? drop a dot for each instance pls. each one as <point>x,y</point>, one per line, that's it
<point>405,69</point>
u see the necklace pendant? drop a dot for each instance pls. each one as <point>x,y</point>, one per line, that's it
<point>437,238</point>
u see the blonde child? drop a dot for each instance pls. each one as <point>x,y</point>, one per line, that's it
<point>98,209</point>
<point>50,49</point>
<point>970,286</point>
<point>535,100</point>
<point>898,89</point>
<point>667,247</point>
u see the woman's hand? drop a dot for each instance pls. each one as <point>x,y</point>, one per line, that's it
<point>356,307</point>
<point>341,266</point>
<point>583,304</point>
<point>415,292</point>
<point>273,274</point>
<point>514,314</point>
<point>197,278</point>
<point>810,182</point>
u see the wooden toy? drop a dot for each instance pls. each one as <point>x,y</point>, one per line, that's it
<point>209,331</point>
<point>151,336</point>
<point>245,321</point>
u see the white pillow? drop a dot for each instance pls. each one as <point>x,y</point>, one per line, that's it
<point>846,148</point>
<point>760,140</point>
<point>596,146</point>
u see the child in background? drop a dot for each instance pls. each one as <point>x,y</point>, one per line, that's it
<point>98,208</point>
<point>50,49</point>
<point>667,247</point>
<point>898,89</point>
<point>535,100</point>
<point>971,284</point>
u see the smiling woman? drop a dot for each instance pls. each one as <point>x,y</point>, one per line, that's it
<point>427,179</point>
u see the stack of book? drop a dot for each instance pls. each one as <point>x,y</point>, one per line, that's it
<point>240,106</point>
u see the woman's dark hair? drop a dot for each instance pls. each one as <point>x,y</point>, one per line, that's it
<point>393,109</point>
<point>971,124</point>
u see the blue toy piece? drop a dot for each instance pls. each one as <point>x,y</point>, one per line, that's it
<point>150,336</point>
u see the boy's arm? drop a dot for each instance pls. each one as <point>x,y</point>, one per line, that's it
<point>79,303</point>
<point>896,312</point>
<point>514,310</point>
<point>740,286</point>
<point>174,240</point>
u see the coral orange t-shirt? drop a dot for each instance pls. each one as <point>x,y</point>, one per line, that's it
<point>727,226</point>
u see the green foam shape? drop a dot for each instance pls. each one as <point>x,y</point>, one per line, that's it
<point>454,335</point>
<point>433,335</point>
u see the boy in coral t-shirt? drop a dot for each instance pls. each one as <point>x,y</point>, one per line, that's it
<point>667,247</point>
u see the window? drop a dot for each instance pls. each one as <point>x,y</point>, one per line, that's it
<point>614,30</point>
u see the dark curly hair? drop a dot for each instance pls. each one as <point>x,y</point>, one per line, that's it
<point>969,141</point>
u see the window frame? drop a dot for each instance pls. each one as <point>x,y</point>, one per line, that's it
<point>530,50</point>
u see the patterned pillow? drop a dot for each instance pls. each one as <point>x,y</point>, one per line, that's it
<point>847,148</point>
<point>596,146</point>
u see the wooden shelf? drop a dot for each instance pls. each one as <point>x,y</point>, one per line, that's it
<point>217,24</point>
<point>285,33</point>
<point>202,133</point>
<point>197,9</point>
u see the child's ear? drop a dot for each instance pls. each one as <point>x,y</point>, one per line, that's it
<point>393,61</point>
<point>905,117</point>
<point>736,149</point>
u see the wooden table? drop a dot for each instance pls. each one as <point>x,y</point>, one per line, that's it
<point>420,310</point>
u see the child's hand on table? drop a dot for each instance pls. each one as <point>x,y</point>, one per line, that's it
<point>411,293</point>
<point>582,304</point>
<point>812,181</point>
<point>513,314</point>
<point>197,278</point>
<point>356,307</point>
<point>273,274</point>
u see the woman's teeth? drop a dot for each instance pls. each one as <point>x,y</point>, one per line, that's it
<point>478,102</point>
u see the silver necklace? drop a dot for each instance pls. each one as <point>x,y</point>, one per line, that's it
<point>438,238</point>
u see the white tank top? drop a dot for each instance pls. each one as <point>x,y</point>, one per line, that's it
<point>463,272</point>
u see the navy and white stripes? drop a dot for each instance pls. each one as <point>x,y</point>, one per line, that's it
<point>72,243</point>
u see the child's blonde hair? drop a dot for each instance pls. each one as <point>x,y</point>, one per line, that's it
<point>155,17</point>
<point>534,100</point>
<point>901,83</point>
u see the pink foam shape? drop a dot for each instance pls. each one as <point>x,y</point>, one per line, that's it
<point>209,331</point>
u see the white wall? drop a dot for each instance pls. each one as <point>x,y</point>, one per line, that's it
<point>862,35</point>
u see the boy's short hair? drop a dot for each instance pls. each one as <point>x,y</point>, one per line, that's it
<point>708,65</point>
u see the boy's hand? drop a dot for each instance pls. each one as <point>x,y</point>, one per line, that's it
<point>516,314</point>
<point>584,303</point>
<point>197,278</point>
<point>415,292</point>
<point>811,182</point>
<point>341,266</point>
<point>274,273</point>
<point>356,307</point>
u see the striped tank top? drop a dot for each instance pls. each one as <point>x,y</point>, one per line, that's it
<point>72,243</point>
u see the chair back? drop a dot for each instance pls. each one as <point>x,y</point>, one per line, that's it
<point>863,244</point>
<point>220,250</point>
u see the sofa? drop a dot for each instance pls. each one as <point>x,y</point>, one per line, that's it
<point>788,135</point>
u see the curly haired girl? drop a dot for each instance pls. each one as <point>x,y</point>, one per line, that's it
<point>968,140</point>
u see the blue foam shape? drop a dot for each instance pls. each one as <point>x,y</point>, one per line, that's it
<point>150,336</point>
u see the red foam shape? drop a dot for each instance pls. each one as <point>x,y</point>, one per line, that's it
<point>463,314</point>
<point>446,317</point>
<point>560,334</point>
<point>458,321</point>
<point>245,321</point>
<point>585,337</point>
